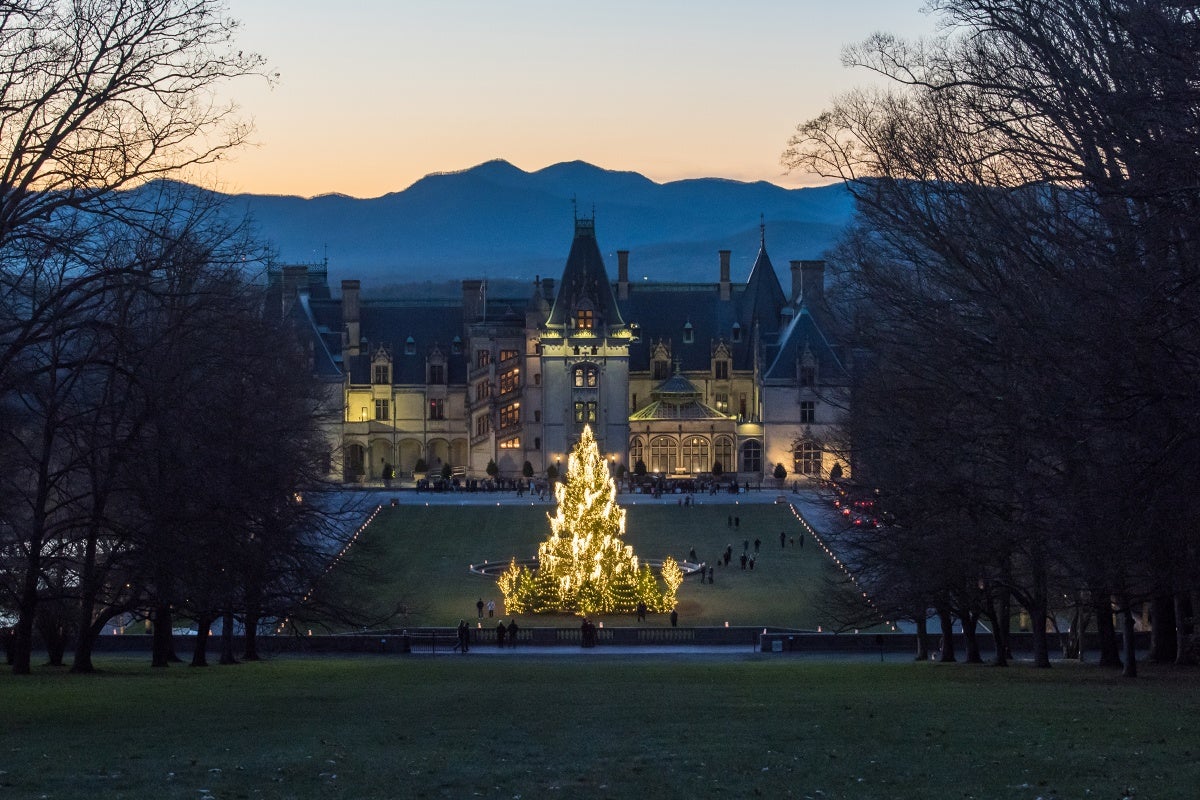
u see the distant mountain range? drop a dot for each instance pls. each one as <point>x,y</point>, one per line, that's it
<point>499,222</point>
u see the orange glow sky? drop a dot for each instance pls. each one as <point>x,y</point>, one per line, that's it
<point>374,94</point>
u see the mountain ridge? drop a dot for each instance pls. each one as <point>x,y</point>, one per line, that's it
<point>497,220</point>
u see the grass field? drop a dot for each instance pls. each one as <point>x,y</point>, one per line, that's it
<point>419,556</point>
<point>596,726</point>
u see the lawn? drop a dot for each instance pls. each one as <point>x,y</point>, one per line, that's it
<point>419,557</point>
<point>598,726</point>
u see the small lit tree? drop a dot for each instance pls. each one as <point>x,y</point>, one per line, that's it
<point>585,567</point>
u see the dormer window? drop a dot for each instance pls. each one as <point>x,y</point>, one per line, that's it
<point>410,346</point>
<point>737,332</point>
<point>721,370</point>
<point>381,373</point>
<point>456,345</point>
<point>660,369</point>
<point>437,373</point>
<point>584,319</point>
<point>688,333</point>
<point>808,375</point>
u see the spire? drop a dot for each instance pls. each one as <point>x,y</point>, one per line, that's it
<point>764,297</point>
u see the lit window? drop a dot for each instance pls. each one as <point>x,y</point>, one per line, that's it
<point>510,415</point>
<point>721,402</point>
<point>585,411</point>
<point>508,355</point>
<point>586,376</point>
<point>510,444</point>
<point>437,408</point>
<point>807,459</point>
<point>584,320</point>
<point>510,380</point>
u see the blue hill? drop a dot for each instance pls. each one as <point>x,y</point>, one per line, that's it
<point>498,221</point>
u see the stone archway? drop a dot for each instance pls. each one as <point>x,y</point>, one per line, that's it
<point>408,452</point>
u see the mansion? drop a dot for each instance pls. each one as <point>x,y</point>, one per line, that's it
<point>687,379</point>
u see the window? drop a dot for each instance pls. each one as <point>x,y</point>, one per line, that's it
<point>664,455</point>
<point>537,415</point>
<point>510,444</point>
<point>808,411</point>
<point>737,332</point>
<point>537,379</point>
<point>456,345</point>
<point>721,402</point>
<point>410,346</point>
<point>723,453</point>
<point>807,459</point>
<point>510,415</point>
<point>633,401</point>
<point>635,451</point>
<point>585,411</point>
<point>661,369</point>
<point>510,380</point>
<point>437,408</point>
<point>483,358</point>
<point>741,406</point>
<point>585,376</point>
<point>483,390</point>
<point>537,443</point>
<point>380,374</point>
<point>437,373</point>
<point>584,320</point>
<point>688,333</point>
<point>752,456</point>
<point>381,410</point>
<point>509,355</point>
<point>483,425</point>
<point>721,370</point>
<point>695,454</point>
<point>808,376</point>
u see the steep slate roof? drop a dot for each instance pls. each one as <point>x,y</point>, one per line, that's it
<point>585,277</point>
<point>323,342</point>
<point>662,310</point>
<point>390,324</point>
<point>764,297</point>
<point>804,334</point>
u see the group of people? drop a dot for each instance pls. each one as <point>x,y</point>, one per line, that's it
<point>504,633</point>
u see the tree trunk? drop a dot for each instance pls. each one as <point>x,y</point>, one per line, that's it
<point>1162,629</point>
<point>163,648</point>
<point>250,651</point>
<point>1106,631</point>
<point>1037,628</point>
<point>999,635</point>
<point>970,623</point>
<point>1183,629</point>
<point>227,639</point>
<point>947,647</point>
<point>200,650</point>
<point>922,637</point>
<point>1130,670</point>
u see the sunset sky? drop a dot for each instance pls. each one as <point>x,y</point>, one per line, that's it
<point>374,94</point>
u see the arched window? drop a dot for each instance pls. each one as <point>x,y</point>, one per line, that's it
<point>695,454</point>
<point>807,458</point>
<point>723,452</point>
<point>636,451</point>
<point>664,455</point>
<point>752,456</point>
<point>585,376</point>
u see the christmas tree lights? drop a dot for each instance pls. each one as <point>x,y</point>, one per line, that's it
<point>585,567</point>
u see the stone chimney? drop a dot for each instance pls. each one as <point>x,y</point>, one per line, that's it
<point>351,330</point>
<point>724,279</point>
<point>472,300</point>
<point>622,274</point>
<point>812,282</point>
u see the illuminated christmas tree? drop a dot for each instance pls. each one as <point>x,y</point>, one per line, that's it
<point>585,567</point>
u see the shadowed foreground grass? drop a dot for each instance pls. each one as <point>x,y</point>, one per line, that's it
<point>598,726</point>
